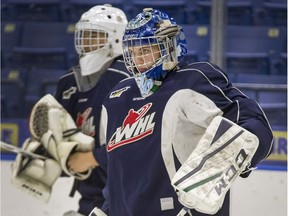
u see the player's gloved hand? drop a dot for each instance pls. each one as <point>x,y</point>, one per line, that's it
<point>52,125</point>
<point>35,176</point>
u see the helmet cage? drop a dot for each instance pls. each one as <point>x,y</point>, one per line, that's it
<point>90,39</point>
<point>145,54</point>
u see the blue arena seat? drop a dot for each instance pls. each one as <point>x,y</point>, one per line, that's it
<point>15,74</point>
<point>191,13</point>
<point>275,13</point>
<point>276,97</point>
<point>11,98</point>
<point>34,10</point>
<point>277,116</point>
<point>271,93</point>
<point>251,49</point>
<point>4,10</point>
<point>48,87</point>
<point>176,9</point>
<point>238,12</point>
<point>280,65</point>
<point>46,44</point>
<point>247,62</point>
<point>38,80</point>
<point>10,37</point>
<point>75,8</point>
<point>198,41</point>
<point>260,78</point>
<point>274,105</point>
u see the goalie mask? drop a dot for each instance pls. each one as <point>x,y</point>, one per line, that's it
<point>98,39</point>
<point>153,44</point>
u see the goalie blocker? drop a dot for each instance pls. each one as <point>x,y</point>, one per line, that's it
<point>222,154</point>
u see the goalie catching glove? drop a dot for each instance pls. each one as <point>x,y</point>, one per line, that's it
<point>221,155</point>
<point>52,125</point>
<point>35,176</point>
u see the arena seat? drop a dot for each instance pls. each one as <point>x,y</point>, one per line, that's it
<point>271,93</point>
<point>46,44</point>
<point>251,49</point>
<point>11,98</point>
<point>198,41</point>
<point>10,38</point>
<point>275,13</point>
<point>37,80</point>
<point>15,74</point>
<point>4,11</point>
<point>261,78</point>
<point>280,65</point>
<point>13,82</point>
<point>175,9</point>
<point>75,8</point>
<point>34,10</point>
<point>238,12</point>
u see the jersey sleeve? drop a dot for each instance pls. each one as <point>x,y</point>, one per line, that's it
<point>101,156</point>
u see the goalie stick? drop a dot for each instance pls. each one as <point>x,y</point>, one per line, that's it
<point>15,149</point>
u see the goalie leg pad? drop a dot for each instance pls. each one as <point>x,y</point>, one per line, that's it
<point>223,152</point>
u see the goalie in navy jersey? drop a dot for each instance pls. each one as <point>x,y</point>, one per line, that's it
<point>98,37</point>
<point>177,134</point>
<point>65,128</point>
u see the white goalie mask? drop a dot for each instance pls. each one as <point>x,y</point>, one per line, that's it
<point>98,38</point>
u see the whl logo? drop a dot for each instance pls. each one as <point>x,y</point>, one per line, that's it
<point>135,126</point>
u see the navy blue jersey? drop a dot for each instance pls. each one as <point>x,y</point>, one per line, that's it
<point>139,129</point>
<point>85,109</point>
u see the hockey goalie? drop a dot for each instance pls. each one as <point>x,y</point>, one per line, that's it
<point>55,136</point>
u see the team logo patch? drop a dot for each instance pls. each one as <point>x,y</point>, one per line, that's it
<point>118,92</point>
<point>136,126</point>
<point>86,124</point>
<point>69,92</point>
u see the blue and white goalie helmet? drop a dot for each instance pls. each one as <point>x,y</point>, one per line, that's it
<point>153,44</point>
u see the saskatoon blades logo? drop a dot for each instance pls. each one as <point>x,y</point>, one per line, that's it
<point>135,126</point>
<point>86,124</point>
